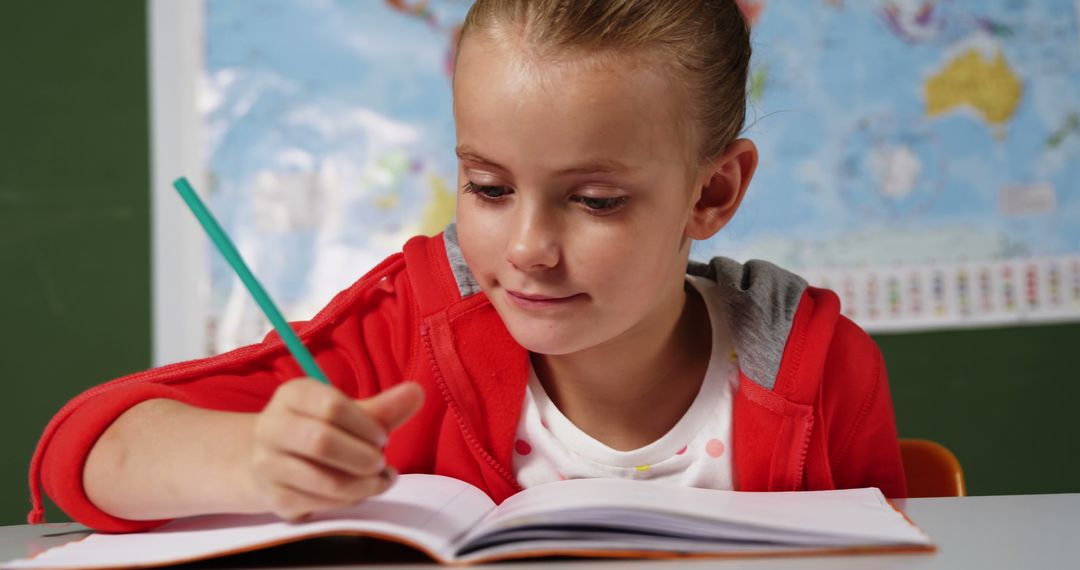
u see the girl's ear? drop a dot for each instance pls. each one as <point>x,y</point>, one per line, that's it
<point>723,190</point>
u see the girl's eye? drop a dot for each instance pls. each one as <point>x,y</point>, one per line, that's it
<point>595,206</point>
<point>486,192</point>
<point>600,205</point>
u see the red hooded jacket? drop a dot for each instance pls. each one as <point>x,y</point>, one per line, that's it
<point>812,411</point>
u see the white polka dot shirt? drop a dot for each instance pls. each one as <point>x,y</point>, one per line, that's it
<point>695,452</point>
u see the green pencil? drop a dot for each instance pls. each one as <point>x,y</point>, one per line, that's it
<point>227,249</point>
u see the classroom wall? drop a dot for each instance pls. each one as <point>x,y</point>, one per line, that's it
<point>75,288</point>
<point>74,227</point>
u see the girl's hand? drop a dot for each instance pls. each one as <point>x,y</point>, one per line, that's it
<point>315,449</point>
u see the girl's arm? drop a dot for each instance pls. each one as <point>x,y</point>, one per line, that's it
<point>311,449</point>
<point>365,340</point>
<point>163,459</point>
<point>864,450</point>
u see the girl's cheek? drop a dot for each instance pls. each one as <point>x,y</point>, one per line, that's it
<point>479,236</point>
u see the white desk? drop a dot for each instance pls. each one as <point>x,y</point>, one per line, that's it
<point>1019,531</point>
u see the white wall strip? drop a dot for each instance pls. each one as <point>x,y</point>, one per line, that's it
<point>1032,290</point>
<point>180,275</point>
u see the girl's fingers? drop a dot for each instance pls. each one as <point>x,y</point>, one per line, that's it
<point>327,488</point>
<point>324,444</point>
<point>394,406</point>
<point>325,403</point>
<point>292,504</point>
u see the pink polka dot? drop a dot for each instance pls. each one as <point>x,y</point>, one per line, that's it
<point>522,447</point>
<point>714,447</point>
<point>561,476</point>
<point>543,423</point>
<point>681,451</point>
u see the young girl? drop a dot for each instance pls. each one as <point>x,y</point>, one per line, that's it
<point>557,331</point>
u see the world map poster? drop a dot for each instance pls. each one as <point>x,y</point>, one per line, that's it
<point>921,158</point>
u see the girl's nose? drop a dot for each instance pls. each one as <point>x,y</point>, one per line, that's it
<point>534,245</point>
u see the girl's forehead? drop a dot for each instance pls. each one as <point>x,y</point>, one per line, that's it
<point>507,96</point>
<point>516,59</point>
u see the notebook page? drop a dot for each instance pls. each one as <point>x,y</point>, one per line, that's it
<point>427,511</point>
<point>858,516</point>
<point>659,529</point>
<point>585,543</point>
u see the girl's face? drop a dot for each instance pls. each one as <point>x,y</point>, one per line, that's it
<point>575,190</point>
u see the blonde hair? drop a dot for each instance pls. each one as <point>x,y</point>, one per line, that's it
<point>707,41</point>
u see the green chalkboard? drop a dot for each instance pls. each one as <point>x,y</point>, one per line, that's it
<point>1001,399</point>
<point>74,203</point>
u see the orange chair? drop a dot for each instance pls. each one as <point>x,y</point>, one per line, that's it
<point>931,469</point>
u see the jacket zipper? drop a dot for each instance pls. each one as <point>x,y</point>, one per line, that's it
<point>466,430</point>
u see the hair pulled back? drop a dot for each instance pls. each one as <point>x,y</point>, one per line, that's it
<point>707,43</point>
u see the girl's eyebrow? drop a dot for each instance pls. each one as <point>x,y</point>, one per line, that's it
<point>602,166</point>
<point>466,153</point>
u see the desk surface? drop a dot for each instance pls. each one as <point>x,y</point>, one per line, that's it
<point>1017,531</point>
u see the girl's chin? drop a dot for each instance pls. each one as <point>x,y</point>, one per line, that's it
<point>552,333</point>
<point>551,341</point>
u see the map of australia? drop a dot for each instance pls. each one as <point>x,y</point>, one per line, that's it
<point>986,85</point>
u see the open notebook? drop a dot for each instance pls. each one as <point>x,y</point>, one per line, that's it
<point>456,523</point>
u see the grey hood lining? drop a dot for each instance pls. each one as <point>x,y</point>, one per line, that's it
<point>761,299</point>
<point>466,283</point>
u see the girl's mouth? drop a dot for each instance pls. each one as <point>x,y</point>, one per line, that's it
<point>539,301</point>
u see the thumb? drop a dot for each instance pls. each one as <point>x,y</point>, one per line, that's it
<point>392,407</point>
